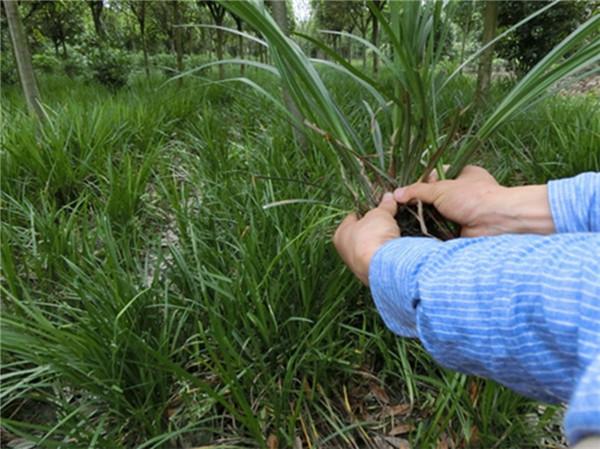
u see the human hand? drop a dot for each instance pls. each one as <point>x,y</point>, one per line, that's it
<point>481,206</point>
<point>461,200</point>
<point>357,240</point>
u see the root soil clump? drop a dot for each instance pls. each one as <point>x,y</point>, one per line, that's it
<point>425,221</point>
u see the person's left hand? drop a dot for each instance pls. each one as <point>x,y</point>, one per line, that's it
<point>357,240</point>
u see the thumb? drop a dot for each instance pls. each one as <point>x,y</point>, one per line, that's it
<point>388,204</point>
<point>420,191</point>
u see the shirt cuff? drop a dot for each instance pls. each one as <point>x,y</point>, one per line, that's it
<point>583,416</point>
<point>393,278</point>
<point>572,203</point>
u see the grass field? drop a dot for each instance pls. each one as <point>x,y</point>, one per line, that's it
<point>150,300</point>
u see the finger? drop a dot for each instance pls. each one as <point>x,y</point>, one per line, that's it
<point>388,204</point>
<point>419,191</point>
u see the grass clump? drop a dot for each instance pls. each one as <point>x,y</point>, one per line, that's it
<point>411,133</point>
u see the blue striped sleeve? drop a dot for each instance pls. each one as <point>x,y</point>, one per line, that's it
<point>575,203</point>
<point>521,309</point>
<point>582,417</point>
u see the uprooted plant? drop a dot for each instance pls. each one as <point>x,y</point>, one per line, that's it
<point>410,135</point>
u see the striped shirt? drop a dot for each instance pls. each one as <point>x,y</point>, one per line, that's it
<point>523,310</point>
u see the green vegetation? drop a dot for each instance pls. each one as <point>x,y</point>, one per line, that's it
<point>418,128</point>
<point>168,278</point>
<point>151,301</point>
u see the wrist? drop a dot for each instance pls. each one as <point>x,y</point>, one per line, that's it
<point>588,443</point>
<point>521,210</point>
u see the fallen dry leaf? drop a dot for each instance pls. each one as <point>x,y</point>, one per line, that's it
<point>383,442</point>
<point>443,442</point>
<point>379,394</point>
<point>401,429</point>
<point>395,410</point>
<point>474,391</point>
<point>273,442</point>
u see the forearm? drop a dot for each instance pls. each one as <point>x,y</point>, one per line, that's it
<point>521,310</point>
<point>565,205</point>
<point>489,306</point>
<point>588,443</point>
<point>520,210</point>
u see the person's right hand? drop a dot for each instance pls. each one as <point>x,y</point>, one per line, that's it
<point>481,206</point>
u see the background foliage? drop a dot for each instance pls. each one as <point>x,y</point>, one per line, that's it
<point>524,48</point>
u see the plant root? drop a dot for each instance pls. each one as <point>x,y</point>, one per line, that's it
<point>423,220</point>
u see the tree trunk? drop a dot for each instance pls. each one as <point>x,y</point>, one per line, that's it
<point>62,38</point>
<point>203,34</point>
<point>96,7</point>
<point>280,16</point>
<point>364,50</point>
<point>464,40</point>
<point>139,10</point>
<point>145,51</point>
<point>240,49</point>
<point>241,54</point>
<point>375,42</point>
<point>23,58</point>
<point>484,72</point>
<point>141,16</point>
<point>349,48</point>
<point>177,39</point>
<point>220,51</point>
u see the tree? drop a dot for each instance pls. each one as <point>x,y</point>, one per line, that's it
<point>361,18</point>
<point>484,72</point>
<point>61,21</point>
<point>279,9</point>
<point>377,4</point>
<point>531,41</point>
<point>333,16</point>
<point>139,11</point>
<point>239,23</point>
<point>217,11</point>
<point>96,8</point>
<point>177,38</point>
<point>23,58</point>
<point>466,17</point>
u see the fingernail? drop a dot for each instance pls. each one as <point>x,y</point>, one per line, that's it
<point>387,196</point>
<point>399,193</point>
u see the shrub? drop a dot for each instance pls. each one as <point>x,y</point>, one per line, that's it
<point>8,70</point>
<point>166,62</point>
<point>109,67</point>
<point>192,61</point>
<point>45,63</point>
<point>75,64</point>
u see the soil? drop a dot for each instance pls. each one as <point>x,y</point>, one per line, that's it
<point>411,223</point>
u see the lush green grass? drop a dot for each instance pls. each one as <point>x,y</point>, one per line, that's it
<point>149,300</point>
